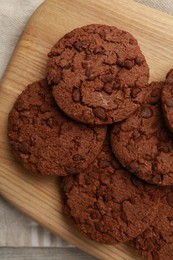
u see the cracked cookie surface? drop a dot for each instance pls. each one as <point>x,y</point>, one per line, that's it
<point>108,204</point>
<point>156,243</point>
<point>143,144</point>
<point>45,140</point>
<point>167,100</point>
<point>98,74</point>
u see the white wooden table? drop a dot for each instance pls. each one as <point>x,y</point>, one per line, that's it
<point>23,239</point>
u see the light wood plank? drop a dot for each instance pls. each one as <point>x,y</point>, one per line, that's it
<point>39,197</point>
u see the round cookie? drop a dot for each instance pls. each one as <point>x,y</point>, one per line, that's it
<point>144,145</point>
<point>156,243</point>
<point>98,73</point>
<point>167,100</point>
<point>106,203</point>
<point>45,140</point>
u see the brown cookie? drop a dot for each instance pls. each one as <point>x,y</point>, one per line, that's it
<point>156,243</point>
<point>153,93</point>
<point>45,140</point>
<point>143,144</point>
<point>98,74</point>
<point>106,203</point>
<point>167,100</point>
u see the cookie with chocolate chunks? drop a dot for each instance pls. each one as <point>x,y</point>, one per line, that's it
<point>143,144</point>
<point>98,74</point>
<point>45,140</point>
<point>108,204</point>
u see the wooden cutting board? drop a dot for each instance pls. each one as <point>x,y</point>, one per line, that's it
<point>39,197</point>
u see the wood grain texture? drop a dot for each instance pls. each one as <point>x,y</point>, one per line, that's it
<point>39,197</point>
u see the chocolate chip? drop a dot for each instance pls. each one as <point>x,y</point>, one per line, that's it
<point>157,179</point>
<point>115,164</point>
<point>154,165</point>
<point>54,51</point>
<point>146,112</point>
<point>136,181</point>
<point>124,217</point>
<point>72,68</point>
<point>107,88</point>
<point>24,156</point>
<point>88,52</point>
<point>156,92</point>
<point>78,158</point>
<point>95,214</point>
<point>98,50</point>
<point>117,84</point>
<point>69,35</point>
<point>100,226</point>
<point>19,105</point>
<point>116,130</point>
<point>68,183</point>
<point>107,197</point>
<point>83,127</point>
<point>163,148</point>
<point>32,140</point>
<point>76,95</point>
<point>170,218</point>
<point>132,200</point>
<point>84,64</point>
<point>135,92</point>
<point>169,102</point>
<point>170,200</point>
<point>23,148</point>
<point>138,61</point>
<point>88,73</point>
<point>81,45</point>
<point>55,76</point>
<point>134,166</point>
<point>129,64</point>
<point>100,113</point>
<point>136,134</point>
<point>132,41</point>
<point>49,122</point>
<point>103,163</point>
<point>102,35</point>
<point>107,78</point>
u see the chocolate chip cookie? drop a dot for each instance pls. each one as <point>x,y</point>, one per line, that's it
<point>167,100</point>
<point>144,145</point>
<point>156,243</point>
<point>98,73</point>
<point>45,140</point>
<point>106,203</point>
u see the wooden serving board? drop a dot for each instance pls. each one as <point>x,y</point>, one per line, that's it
<point>39,197</point>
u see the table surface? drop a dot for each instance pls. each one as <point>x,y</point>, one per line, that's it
<point>23,239</point>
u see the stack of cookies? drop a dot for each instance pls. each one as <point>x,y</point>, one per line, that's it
<point>96,121</point>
